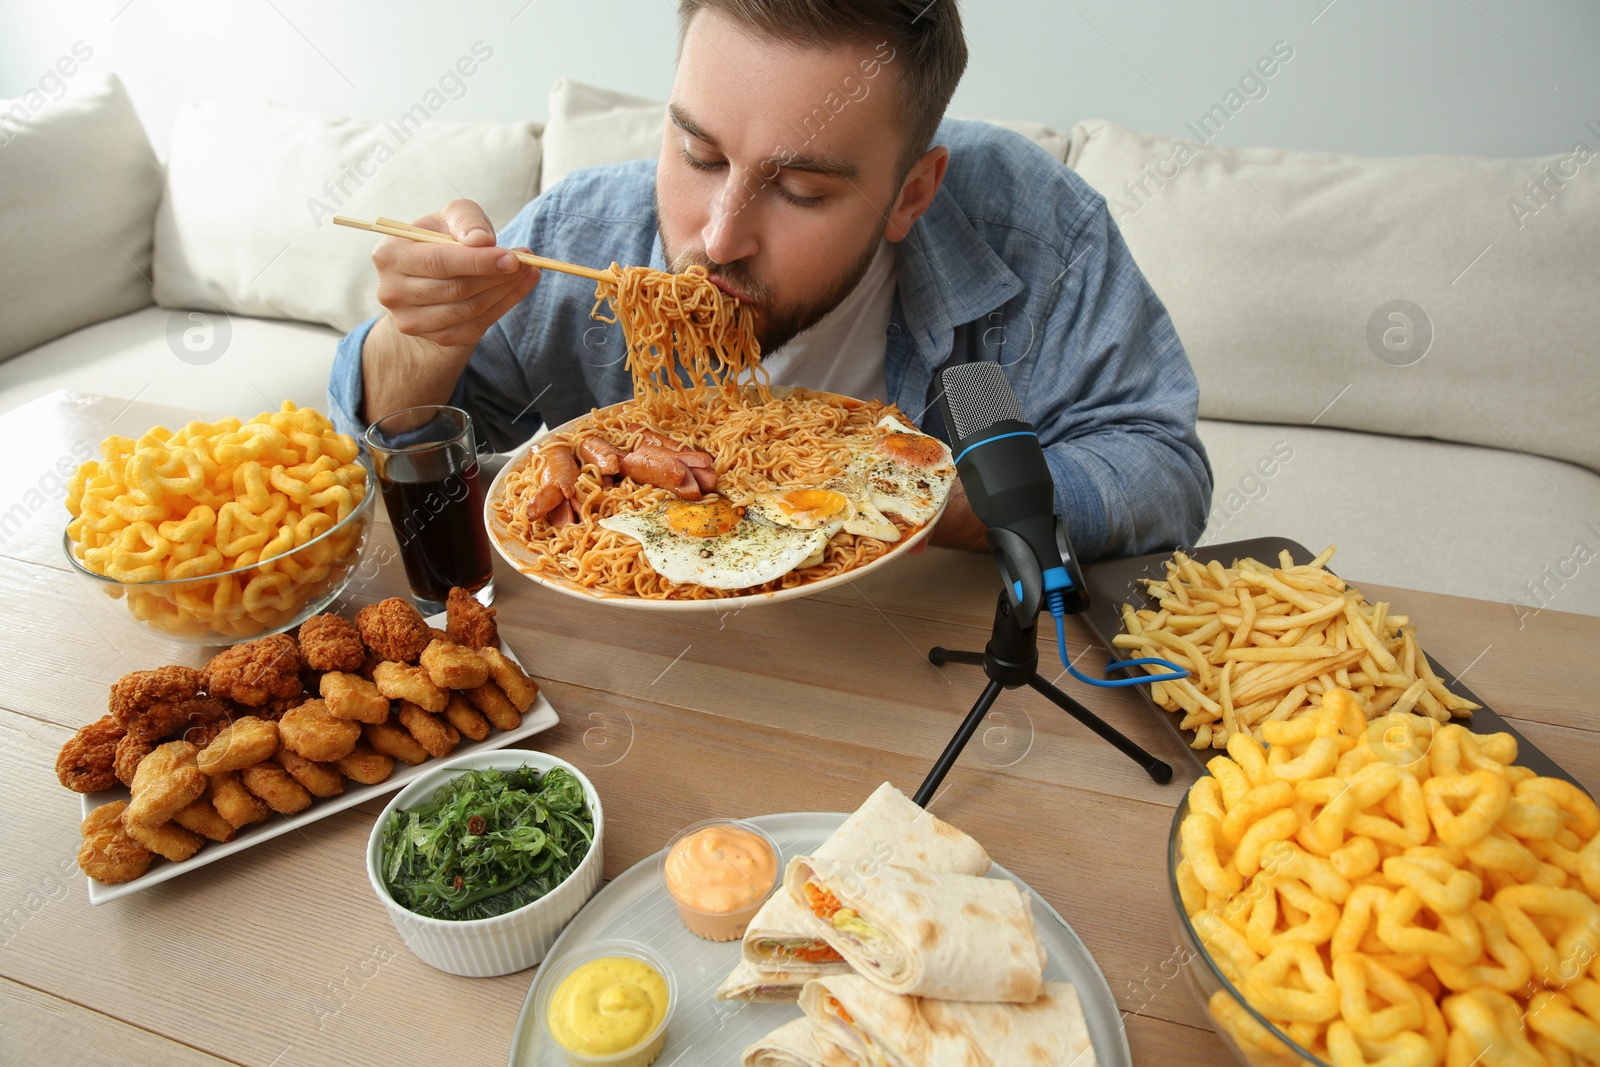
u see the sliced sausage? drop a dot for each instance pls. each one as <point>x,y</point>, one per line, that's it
<point>660,467</point>
<point>601,454</point>
<point>560,468</point>
<point>702,466</point>
<point>563,514</point>
<point>545,501</point>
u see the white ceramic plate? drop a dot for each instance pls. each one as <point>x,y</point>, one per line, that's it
<point>706,1032</point>
<point>515,553</point>
<point>539,717</point>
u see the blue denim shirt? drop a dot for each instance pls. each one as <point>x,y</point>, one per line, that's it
<point>1017,261</point>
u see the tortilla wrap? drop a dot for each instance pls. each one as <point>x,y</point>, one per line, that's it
<point>926,933</point>
<point>887,1030</point>
<point>749,982</point>
<point>888,828</point>
<point>798,1043</point>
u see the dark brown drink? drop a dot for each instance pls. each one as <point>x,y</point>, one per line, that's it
<point>437,516</point>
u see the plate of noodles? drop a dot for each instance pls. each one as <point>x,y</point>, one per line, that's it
<point>712,489</point>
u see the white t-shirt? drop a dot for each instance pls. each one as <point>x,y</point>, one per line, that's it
<point>844,352</point>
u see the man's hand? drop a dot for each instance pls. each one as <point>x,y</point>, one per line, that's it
<point>958,526</point>
<point>441,300</point>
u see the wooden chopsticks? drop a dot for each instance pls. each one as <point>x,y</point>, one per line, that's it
<point>394,228</point>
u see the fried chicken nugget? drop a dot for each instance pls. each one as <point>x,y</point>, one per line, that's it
<point>256,671</point>
<point>87,762</point>
<point>393,629</point>
<point>431,731</point>
<point>243,743</point>
<point>365,765</point>
<point>350,696</point>
<point>392,740</point>
<point>167,780</point>
<point>203,818</point>
<point>469,622</point>
<point>234,802</point>
<point>275,708</point>
<point>108,854</point>
<point>495,705</point>
<point>331,643</point>
<point>168,840</point>
<point>465,718</point>
<point>130,751</point>
<point>519,688</point>
<point>277,787</point>
<point>320,779</point>
<point>400,681</point>
<point>133,693</point>
<point>453,666</point>
<point>311,731</point>
<point>205,718</point>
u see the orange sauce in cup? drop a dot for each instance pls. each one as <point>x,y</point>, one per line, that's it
<point>719,877</point>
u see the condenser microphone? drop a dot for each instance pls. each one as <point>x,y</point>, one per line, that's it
<point>1010,488</point>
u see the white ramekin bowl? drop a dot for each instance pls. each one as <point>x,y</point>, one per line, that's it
<point>515,941</point>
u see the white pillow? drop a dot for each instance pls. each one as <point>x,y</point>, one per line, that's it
<point>1278,266</point>
<point>81,186</point>
<point>590,126</point>
<point>252,188</point>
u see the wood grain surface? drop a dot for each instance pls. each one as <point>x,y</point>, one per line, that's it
<point>281,955</point>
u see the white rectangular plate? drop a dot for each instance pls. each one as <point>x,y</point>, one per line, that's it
<point>539,717</point>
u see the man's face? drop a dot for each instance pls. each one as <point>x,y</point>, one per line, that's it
<point>778,169</point>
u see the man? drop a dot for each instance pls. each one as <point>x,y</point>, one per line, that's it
<point>804,165</point>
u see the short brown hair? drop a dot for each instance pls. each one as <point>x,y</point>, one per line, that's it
<point>930,51</point>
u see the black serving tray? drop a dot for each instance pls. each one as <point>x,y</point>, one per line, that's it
<point>1112,583</point>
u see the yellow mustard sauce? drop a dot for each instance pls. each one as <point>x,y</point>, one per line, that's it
<point>607,1006</point>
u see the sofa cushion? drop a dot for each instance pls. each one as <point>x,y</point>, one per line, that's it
<point>252,189</point>
<point>232,364</point>
<point>1280,267</point>
<point>81,186</point>
<point>1447,518</point>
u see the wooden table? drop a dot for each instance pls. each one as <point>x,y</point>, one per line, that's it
<point>281,955</point>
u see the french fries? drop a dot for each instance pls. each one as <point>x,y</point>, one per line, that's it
<point>1263,644</point>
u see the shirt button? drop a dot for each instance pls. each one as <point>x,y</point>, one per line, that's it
<point>894,331</point>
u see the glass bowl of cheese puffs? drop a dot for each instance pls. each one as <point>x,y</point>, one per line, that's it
<point>220,532</point>
<point>1393,891</point>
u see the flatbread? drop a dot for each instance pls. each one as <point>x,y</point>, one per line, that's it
<point>749,982</point>
<point>798,1043</point>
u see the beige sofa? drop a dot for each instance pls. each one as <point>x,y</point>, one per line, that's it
<point>1453,448</point>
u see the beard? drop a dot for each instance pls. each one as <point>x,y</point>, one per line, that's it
<point>776,324</point>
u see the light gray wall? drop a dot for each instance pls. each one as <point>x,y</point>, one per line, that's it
<point>1382,77</point>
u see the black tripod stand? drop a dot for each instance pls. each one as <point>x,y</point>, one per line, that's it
<point>1011,660</point>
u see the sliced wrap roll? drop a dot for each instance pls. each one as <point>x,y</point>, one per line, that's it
<point>883,1029</point>
<point>749,982</point>
<point>925,933</point>
<point>798,1043</point>
<point>887,828</point>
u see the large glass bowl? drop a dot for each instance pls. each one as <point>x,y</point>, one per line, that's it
<point>1252,1039</point>
<point>266,598</point>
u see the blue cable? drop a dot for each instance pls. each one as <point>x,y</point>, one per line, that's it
<point>1057,603</point>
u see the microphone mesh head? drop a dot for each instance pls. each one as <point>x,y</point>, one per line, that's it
<point>977,396</point>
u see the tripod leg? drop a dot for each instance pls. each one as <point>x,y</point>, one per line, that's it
<point>952,751</point>
<point>1155,768</point>
<point>940,656</point>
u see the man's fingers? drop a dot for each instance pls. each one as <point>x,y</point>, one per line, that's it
<point>421,292</point>
<point>422,259</point>
<point>479,311</point>
<point>466,222</point>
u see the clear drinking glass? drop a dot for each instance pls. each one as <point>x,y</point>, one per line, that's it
<point>426,461</point>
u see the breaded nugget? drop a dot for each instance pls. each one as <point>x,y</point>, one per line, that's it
<point>331,643</point>
<point>246,741</point>
<point>453,666</point>
<point>391,739</point>
<point>313,732</point>
<point>256,671</point>
<point>203,818</point>
<point>465,718</point>
<point>365,765</point>
<point>277,787</point>
<point>167,779</point>
<point>205,718</point>
<point>168,840</point>
<point>320,779</point>
<point>437,634</point>
<point>431,731</point>
<point>350,696</point>
<point>133,693</point>
<point>495,705</point>
<point>275,708</point>
<point>130,751</point>
<point>518,687</point>
<point>393,629</point>
<point>87,762</point>
<point>400,681</point>
<point>234,802</point>
<point>469,622</point>
<point>108,854</point>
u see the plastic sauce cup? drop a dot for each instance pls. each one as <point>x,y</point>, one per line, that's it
<point>736,881</point>
<point>649,1047</point>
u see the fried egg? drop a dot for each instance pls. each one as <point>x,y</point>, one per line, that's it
<point>898,472</point>
<point>714,544</point>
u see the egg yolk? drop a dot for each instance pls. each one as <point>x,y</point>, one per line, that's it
<point>812,505</point>
<point>706,518</point>
<point>912,449</point>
